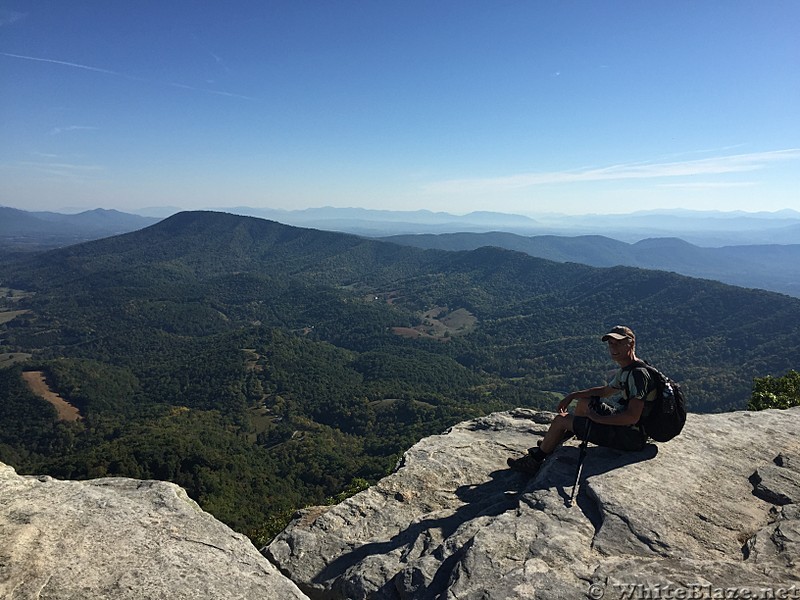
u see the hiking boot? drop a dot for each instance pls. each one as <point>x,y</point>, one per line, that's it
<point>525,464</point>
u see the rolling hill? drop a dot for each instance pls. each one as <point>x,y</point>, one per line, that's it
<point>771,267</point>
<point>186,257</point>
<point>264,367</point>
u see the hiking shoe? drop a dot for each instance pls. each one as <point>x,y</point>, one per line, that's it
<point>525,464</point>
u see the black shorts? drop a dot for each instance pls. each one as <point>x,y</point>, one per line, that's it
<point>619,437</point>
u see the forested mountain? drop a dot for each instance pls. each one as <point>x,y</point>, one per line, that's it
<point>264,367</point>
<point>23,230</point>
<point>771,267</point>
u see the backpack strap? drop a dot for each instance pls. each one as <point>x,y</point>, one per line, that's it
<point>637,364</point>
<point>654,376</point>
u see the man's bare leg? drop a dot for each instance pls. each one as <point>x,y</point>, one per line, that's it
<point>560,429</point>
<point>560,426</point>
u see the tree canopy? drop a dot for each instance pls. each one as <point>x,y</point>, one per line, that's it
<point>266,367</point>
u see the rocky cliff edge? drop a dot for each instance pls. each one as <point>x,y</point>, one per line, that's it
<point>714,512</point>
<point>122,539</point>
<point>710,514</point>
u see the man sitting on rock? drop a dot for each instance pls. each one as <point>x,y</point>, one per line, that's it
<point>601,423</point>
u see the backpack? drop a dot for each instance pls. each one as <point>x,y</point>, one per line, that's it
<point>668,414</point>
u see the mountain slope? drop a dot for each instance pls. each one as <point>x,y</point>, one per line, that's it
<point>523,305</point>
<point>41,230</point>
<point>264,367</point>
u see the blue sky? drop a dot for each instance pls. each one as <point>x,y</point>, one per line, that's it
<point>524,107</point>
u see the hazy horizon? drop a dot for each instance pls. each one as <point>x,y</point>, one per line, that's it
<point>513,107</point>
<point>787,213</point>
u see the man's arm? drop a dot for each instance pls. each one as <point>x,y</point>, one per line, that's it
<point>642,385</point>
<point>629,416</point>
<point>604,391</point>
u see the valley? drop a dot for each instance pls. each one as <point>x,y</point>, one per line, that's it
<point>265,367</point>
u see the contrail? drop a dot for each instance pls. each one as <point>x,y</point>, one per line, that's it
<point>116,74</point>
<point>62,62</point>
<point>207,91</point>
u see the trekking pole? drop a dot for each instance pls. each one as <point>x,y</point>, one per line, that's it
<point>581,456</point>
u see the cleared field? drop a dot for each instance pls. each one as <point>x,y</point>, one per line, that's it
<point>38,385</point>
<point>11,295</point>
<point>8,315</point>
<point>440,323</point>
<point>9,358</point>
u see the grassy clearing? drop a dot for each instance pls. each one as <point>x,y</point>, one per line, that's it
<point>38,385</point>
<point>8,315</point>
<point>262,420</point>
<point>10,358</point>
<point>251,359</point>
<point>11,295</point>
<point>440,323</point>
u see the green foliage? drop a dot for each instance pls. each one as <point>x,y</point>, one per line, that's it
<point>28,426</point>
<point>775,392</point>
<point>357,485</point>
<point>255,364</point>
<point>93,386</point>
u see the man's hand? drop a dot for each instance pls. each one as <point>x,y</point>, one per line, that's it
<point>564,404</point>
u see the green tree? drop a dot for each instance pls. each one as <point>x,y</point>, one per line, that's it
<point>775,392</point>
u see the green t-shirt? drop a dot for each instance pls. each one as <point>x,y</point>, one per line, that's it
<point>635,381</point>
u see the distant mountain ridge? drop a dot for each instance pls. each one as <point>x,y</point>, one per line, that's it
<point>772,267</point>
<point>704,228</point>
<point>22,229</point>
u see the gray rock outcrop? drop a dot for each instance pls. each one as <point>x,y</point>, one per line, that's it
<point>711,513</point>
<point>122,539</point>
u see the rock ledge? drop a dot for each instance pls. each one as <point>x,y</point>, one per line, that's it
<point>715,509</point>
<point>122,539</point>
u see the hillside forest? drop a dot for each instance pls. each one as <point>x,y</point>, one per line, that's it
<point>265,367</point>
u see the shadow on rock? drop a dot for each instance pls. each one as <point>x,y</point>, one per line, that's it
<point>491,498</point>
<point>563,471</point>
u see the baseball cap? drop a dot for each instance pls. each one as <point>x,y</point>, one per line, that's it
<point>620,332</point>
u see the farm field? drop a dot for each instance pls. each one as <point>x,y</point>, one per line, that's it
<point>38,385</point>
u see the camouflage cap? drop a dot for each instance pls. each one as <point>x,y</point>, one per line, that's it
<point>620,332</point>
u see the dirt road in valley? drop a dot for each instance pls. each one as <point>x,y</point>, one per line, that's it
<point>38,385</point>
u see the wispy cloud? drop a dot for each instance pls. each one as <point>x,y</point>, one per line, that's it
<point>7,17</point>
<point>719,165</point>
<point>220,62</point>
<point>700,185</point>
<point>58,169</point>
<point>117,74</point>
<point>60,130</point>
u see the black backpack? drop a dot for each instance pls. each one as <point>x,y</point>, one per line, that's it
<point>668,414</point>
